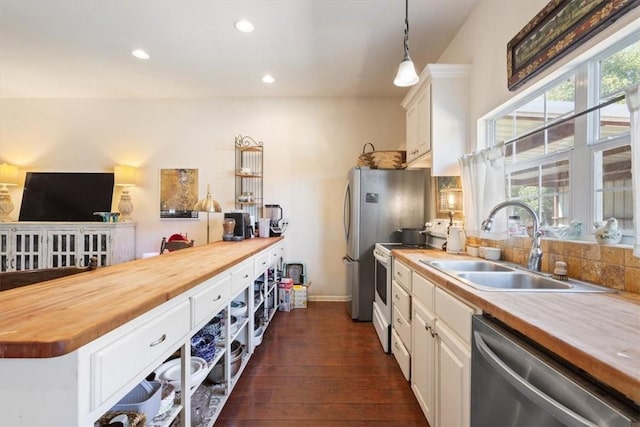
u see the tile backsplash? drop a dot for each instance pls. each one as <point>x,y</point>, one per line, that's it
<point>613,266</point>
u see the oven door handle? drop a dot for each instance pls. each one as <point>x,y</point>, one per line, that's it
<point>545,402</point>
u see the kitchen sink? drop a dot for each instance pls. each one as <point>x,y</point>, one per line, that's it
<point>492,276</point>
<point>468,265</point>
<point>513,281</point>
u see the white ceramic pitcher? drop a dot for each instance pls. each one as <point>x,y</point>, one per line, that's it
<point>456,240</point>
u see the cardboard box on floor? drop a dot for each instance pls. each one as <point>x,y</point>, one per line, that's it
<point>300,295</point>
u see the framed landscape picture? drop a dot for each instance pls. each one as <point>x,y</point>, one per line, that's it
<point>178,193</point>
<point>559,28</point>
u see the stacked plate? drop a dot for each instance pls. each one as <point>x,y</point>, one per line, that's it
<point>170,372</point>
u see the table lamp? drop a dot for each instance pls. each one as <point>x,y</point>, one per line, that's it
<point>8,176</point>
<point>208,205</point>
<point>125,177</point>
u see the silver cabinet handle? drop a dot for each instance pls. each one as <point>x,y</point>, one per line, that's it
<point>246,276</point>
<point>158,341</point>
<point>218,298</point>
<point>427,327</point>
<point>396,296</point>
<point>399,321</point>
<point>545,402</point>
<point>433,333</point>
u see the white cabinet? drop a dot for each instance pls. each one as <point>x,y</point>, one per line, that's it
<point>454,378</point>
<point>423,369</point>
<point>401,316</point>
<point>21,248</point>
<point>29,246</point>
<point>418,129</point>
<point>81,386</point>
<point>437,118</point>
<point>441,354</point>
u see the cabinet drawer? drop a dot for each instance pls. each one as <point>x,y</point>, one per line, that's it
<point>402,275</point>
<point>241,277</point>
<point>455,313</point>
<point>401,300</point>
<point>423,290</point>
<point>209,301</point>
<point>137,351</point>
<point>402,327</point>
<point>401,354</point>
<point>261,263</point>
<point>275,253</point>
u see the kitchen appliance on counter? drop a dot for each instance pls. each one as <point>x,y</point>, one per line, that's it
<point>514,383</point>
<point>274,213</point>
<point>437,232</point>
<point>243,228</point>
<point>376,203</point>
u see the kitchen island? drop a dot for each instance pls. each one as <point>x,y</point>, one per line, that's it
<point>71,348</point>
<point>596,332</point>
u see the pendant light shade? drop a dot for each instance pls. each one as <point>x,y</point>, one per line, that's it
<point>406,75</point>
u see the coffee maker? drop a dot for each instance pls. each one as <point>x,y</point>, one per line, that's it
<point>244,228</point>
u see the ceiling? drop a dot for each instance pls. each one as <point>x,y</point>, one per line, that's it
<point>313,48</point>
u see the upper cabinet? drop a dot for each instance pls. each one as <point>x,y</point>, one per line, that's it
<point>437,118</point>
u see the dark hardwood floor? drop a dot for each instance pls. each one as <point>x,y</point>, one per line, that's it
<point>316,367</point>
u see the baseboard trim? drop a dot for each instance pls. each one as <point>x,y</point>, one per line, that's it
<point>330,298</point>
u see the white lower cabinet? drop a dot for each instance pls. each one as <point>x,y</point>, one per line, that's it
<point>80,387</point>
<point>441,354</point>
<point>424,359</point>
<point>401,354</point>
<point>401,322</point>
<point>454,379</point>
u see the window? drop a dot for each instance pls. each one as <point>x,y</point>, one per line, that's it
<point>567,145</point>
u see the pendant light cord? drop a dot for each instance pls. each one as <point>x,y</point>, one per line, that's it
<point>406,29</point>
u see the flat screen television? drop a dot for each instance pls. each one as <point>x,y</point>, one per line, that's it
<point>66,196</point>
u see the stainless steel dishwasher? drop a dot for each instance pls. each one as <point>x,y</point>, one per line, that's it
<point>515,384</point>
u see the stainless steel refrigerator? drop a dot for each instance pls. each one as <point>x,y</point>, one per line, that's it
<point>377,202</point>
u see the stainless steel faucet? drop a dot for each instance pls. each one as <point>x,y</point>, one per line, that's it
<point>535,255</point>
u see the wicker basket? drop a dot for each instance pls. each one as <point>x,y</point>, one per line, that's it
<point>382,159</point>
<point>135,419</point>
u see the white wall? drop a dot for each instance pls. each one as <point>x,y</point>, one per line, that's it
<point>482,42</point>
<point>309,146</point>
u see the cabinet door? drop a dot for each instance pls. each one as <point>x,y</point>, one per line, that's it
<point>27,251</point>
<point>5,246</point>
<point>62,248</point>
<point>423,359</point>
<point>94,243</point>
<point>424,121</point>
<point>454,379</point>
<point>412,132</point>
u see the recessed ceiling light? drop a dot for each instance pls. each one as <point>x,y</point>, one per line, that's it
<point>140,54</point>
<point>268,78</point>
<point>243,25</point>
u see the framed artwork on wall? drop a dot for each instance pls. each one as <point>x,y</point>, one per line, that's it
<point>555,31</point>
<point>178,193</point>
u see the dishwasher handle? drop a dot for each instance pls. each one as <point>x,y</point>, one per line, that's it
<point>553,407</point>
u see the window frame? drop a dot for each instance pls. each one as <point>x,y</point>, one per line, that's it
<point>587,141</point>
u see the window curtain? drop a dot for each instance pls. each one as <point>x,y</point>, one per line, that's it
<point>483,184</point>
<point>633,102</point>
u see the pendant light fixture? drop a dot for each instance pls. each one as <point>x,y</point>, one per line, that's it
<point>406,70</point>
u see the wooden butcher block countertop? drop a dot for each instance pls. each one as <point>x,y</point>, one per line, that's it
<point>597,332</point>
<point>56,317</point>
